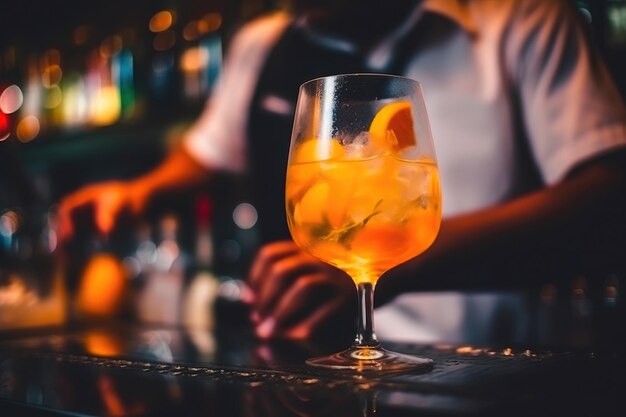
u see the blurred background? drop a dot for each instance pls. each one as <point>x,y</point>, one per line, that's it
<point>93,91</point>
<point>96,91</point>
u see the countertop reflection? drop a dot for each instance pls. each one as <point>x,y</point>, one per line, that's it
<point>124,370</point>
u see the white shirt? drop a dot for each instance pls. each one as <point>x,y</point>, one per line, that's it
<point>499,60</point>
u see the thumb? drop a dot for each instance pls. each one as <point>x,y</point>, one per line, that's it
<point>106,210</point>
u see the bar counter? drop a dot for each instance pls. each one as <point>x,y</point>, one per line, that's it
<point>129,370</point>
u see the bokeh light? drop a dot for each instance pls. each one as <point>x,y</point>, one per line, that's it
<point>213,21</point>
<point>9,223</point>
<point>111,46</point>
<point>161,21</point>
<point>194,29</point>
<point>245,216</point>
<point>54,97</point>
<point>106,106</point>
<point>28,129</point>
<point>51,75</point>
<point>194,59</point>
<point>51,57</point>
<point>5,127</point>
<point>11,100</point>
<point>75,106</point>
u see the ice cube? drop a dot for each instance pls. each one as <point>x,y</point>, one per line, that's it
<point>362,146</point>
<point>355,151</point>
<point>416,180</point>
<point>362,138</point>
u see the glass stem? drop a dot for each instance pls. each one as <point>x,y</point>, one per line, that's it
<point>365,336</point>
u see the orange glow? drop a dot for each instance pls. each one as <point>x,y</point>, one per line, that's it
<point>194,29</point>
<point>102,344</point>
<point>51,57</point>
<point>194,59</point>
<point>161,21</point>
<point>102,287</point>
<point>111,46</point>
<point>367,226</point>
<point>106,106</point>
<point>213,20</point>
<point>28,129</point>
<point>51,76</point>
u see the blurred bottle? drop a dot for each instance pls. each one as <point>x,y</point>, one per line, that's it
<point>105,106</point>
<point>123,74</point>
<point>159,299</point>
<point>51,70</point>
<point>32,283</point>
<point>610,315</point>
<point>102,287</point>
<point>203,288</point>
<point>201,59</point>
<point>164,83</point>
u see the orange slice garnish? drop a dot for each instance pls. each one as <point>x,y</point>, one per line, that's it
<point>313,150</point>
<point>392,126</point>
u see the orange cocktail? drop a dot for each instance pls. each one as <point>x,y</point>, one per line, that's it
<point>364,216</point>
<point>363,193</point>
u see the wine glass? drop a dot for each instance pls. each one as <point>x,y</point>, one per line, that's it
<point>362,192</point>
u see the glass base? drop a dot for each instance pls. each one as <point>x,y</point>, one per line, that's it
<point>371,359</point>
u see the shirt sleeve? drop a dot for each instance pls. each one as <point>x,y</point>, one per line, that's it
<point>572,110</point>
<point>217,139</point>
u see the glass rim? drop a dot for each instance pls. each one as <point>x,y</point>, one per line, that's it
<point>363,75</point>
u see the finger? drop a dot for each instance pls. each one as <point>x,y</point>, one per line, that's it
<point>280,276</point>
<point>106,211</point>
<point>304,296</point>
<point>268,255</point>
<point>65,228</point>
<point>67,207</point>
<point>317,320</point>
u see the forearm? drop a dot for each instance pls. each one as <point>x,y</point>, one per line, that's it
<point>178,170</point>
<point>555,232</point>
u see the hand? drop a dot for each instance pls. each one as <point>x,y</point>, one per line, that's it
<point>108,199</point>
<point>297,296</point>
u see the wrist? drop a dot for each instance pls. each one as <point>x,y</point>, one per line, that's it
<point>139,192</point>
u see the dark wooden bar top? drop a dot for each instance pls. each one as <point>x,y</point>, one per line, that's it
<point>128,370</point>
